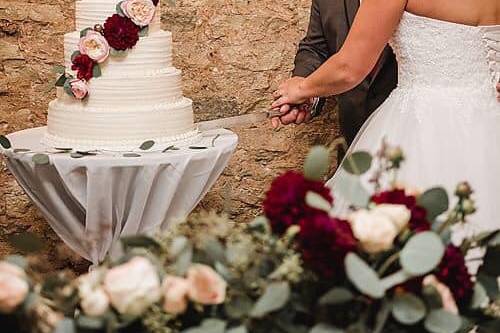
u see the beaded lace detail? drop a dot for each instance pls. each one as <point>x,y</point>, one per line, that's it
<point>491,36</point>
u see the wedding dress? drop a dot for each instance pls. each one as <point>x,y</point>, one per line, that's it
<point>443,114</point>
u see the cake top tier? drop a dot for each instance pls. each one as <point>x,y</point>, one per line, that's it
<point>92,12</point>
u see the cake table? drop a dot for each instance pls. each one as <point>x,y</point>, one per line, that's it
<point>92,201</point>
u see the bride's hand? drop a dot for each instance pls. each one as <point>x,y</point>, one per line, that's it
<point>290,92</point>
<point>498,91</point>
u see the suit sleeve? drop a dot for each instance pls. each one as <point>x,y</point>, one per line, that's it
<point>313,49</point>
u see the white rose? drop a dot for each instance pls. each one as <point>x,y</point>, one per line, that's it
<point>95,303</point>
<point>399,214</point>
<point>13,287</point>
<point>376,232</point>
<point>133,287</point>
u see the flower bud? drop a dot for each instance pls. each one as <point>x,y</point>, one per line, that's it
<point>463,190</point>
<point>395,155</point>
<point>468,207</point>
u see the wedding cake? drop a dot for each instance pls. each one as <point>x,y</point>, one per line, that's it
<point>118,88</point>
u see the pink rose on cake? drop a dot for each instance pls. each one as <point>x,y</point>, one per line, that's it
<point>95,46</point>
<point>79,88</point>
<point>141,12</point>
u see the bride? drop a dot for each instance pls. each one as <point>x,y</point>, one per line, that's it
<point>444,112</point>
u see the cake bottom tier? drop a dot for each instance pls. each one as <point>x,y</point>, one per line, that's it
<point>80,128</point>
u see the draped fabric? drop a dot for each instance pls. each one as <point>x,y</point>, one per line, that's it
<point>91,202</point>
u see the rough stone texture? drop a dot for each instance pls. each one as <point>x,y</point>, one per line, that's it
<point>233,54</point>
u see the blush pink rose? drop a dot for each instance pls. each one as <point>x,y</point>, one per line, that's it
<point>79,88</point>
<point>95,46</point>
<point>444,292</point>
<point>206,286</point>
<point>141,12</point>
<point>13,287</point>
<point>175,292</point>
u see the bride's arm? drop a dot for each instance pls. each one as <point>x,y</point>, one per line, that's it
<point>373,26</point>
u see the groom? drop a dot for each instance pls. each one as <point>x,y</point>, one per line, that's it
<point>328,28</point>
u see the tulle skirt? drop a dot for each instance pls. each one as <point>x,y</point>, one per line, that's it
<point>448,135</point>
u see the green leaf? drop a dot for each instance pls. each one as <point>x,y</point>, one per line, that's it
<point>274,298</point>
<point>435,201</point>
<point>363,277</point>
<point>395,279</point>
<point>422,253</point>
<point>76,155</point>
<point>5,142</point>
<point>74,55</point>
<point>239,329</point>
<point>317,201</point>
<point>489,283</point>
<point>357,163</point>
<point>349,187</point>
<point>480,297</point>
<point>170,148</point>
<point>117,53</point>
<point>432,297</point>
<point>140,241</point>
<point>17,260</point>
<point>131,155</point>
<point>441,321</point>
<point>66,325</point>
<point>30,301</point>
<point>147,145</point>
<point>40,159</point>
<point>238,307</point>
<point>184,260</point>
<point>96,71</point>
<point>336,296</point>
<point>21,150</point>
<point>59,69</point>
<point>317,163</point>
<point>408,309</point>
<point>209,326</point>
<point>215,250</point>
<point>84,32</point>
<point>26,242</point>
<point>67,88</point>
<point>61,80</point>
<point>119,9</point>
<point>325,328</point>
<point>144,31</point>
<point>90,323</point>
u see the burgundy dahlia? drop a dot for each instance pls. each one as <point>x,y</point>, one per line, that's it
<point>120,32</point>
<point>84,67</point>
<point>454,273</point>
<point>324,243</point>
<point>285,202</point>
<point>418,222</point>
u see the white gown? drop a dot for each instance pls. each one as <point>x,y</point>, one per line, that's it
<point>444,112</point>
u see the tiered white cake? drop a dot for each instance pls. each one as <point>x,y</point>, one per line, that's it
<point>137,98</point>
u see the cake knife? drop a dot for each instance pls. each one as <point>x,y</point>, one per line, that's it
<point>246,119</point>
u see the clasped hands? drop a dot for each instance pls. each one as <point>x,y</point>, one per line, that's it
<point>291,101</point>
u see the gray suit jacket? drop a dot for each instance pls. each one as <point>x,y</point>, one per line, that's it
<point>328,28</point>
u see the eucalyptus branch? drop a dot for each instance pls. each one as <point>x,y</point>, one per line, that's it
<point>388,263</point>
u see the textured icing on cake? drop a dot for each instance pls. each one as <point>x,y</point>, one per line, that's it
<point>137,98</point>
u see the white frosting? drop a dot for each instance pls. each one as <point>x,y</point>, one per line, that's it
<point>151,53</point>
<point>137,98</point>
<point>130,91</point>
<point>101,128</point>
<point>92,12</point>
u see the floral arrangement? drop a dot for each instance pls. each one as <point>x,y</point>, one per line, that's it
<point>119,33</point>
<point>388,265</point>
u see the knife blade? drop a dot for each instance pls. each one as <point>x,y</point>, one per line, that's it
<point>246,119</point>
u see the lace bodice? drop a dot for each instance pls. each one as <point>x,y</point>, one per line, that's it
<point>444,55</point>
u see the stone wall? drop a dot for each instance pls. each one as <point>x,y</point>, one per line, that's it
<point>233,53</point>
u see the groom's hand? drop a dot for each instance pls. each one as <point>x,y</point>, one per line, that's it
<point>293,114</point>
